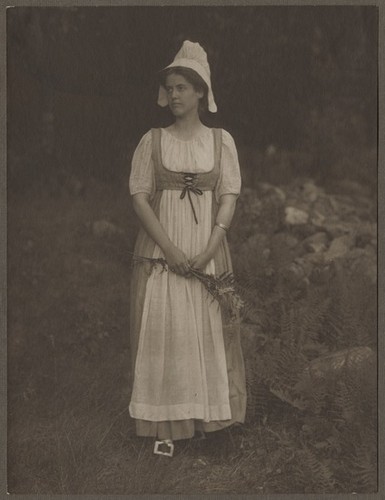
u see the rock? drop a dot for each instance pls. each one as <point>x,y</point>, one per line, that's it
<point>103,228</point>
<point>294,216</point>
<point>350,187</point>
<point>317,247</point>
<point>339,247</point>
<point>298,203</point>
<point>348,206</point>
<point>323,207</point>
<point>304,231</point>
<point>311,192</point>
<point>317,219</point>
<point>336,228</point>
<point>295,275</point>
<point>266,189</point>
<point>316,243</point>
<point>316,259</point>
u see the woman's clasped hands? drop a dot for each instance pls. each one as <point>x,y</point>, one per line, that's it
<point>200,261</point>
<point>178,262</point>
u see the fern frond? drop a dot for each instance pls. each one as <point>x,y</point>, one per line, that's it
<point>320,477</point>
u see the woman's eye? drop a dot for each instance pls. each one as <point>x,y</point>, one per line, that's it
<point>179,88</point>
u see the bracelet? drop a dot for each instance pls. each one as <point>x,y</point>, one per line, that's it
<point>219,224</point>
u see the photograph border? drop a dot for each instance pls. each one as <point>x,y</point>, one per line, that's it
<point>4,6</point>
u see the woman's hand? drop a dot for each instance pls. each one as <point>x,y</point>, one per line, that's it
<point>200,261</point>
<point>177,261</point>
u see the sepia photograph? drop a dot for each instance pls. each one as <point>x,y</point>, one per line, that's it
<point>192,264</point>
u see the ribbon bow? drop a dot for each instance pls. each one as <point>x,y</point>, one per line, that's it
<point>190,181</point>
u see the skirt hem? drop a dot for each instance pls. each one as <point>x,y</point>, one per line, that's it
<point>178,429</point>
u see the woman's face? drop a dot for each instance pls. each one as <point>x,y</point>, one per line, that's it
<point>182,97</point>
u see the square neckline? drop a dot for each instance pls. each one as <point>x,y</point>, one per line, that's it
<point>211,130</point>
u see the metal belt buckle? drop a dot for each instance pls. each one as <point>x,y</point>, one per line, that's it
<point>166,442</point>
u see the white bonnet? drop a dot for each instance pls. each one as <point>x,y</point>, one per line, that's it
<point>191,55</point>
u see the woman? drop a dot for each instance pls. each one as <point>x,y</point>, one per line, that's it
<point>186,354</point>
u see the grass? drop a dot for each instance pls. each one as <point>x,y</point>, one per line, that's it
<point>69,427</point>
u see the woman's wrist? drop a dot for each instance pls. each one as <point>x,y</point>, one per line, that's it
<point>225,227</point>
<point>207,255</point>
<point>168,247</point>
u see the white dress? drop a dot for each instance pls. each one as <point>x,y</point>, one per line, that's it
<point>180,371</point>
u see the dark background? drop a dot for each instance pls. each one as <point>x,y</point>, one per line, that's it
<point>82,85</point>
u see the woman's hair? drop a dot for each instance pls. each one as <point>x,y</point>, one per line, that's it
<point>192,77</point>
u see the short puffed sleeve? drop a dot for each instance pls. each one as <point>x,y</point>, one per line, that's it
<point>142,167</point>
<point>229,181</point>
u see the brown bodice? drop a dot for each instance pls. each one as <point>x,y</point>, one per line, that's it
<point>187,182</point>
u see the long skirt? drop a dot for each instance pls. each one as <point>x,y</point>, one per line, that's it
<point>187,367</point>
